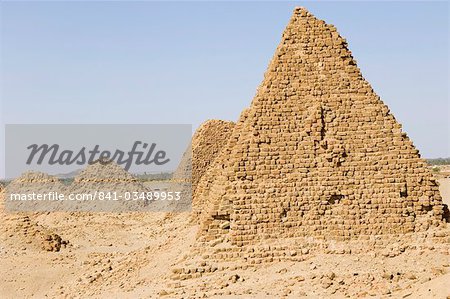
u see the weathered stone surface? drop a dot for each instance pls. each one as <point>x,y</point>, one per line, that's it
<point>317,154</point>
<point>207,143</point>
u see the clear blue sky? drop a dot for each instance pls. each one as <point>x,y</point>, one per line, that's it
<point>185,62</point>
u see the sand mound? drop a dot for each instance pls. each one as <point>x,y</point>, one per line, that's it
<point>22,233</point>
<point>105,171</point>
<point>112,188</point>
<point>34,181</point>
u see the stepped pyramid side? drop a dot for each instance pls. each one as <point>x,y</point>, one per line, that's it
<point>213,180</point>
<point>207,143</point>
<point>317,153</point>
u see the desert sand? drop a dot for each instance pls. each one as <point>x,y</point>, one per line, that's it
<point>316,192</point>
<point>132,255</point>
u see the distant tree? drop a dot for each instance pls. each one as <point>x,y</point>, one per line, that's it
<point>439,161</point>
<point>436,169</point>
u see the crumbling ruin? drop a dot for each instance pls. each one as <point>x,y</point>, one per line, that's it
<point>317,154</point>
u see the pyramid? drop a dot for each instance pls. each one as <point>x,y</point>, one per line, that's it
<point>317,154</point>
<point>104,172</point>
<point>107,178</point>
<point>34,181</point>
<point>207,142</point>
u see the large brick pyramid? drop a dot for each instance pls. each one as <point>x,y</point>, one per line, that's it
<point>317,154</point>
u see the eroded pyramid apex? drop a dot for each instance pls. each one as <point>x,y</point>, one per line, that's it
<point>301,11</point>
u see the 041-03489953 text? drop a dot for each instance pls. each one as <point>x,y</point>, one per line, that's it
<point>98,195</point>
<point>154,195</point>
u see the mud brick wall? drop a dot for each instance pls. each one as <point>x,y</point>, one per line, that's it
<point>316,154</point>
<point>207,142</point>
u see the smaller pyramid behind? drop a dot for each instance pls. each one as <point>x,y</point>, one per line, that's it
<point>317,154</point>
<point>208,141</point>
<point>202,201</point>
<point>101,186</point>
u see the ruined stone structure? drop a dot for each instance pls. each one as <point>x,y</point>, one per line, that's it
<point>106,179</point>
<point>208,141</point>
<point>317,154</point>
<point>106,171</point>
<point>19,225</point>
<point>34,181</point>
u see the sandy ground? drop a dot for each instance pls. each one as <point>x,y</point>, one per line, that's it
<point>131,255</point>
<point>120,251</point>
